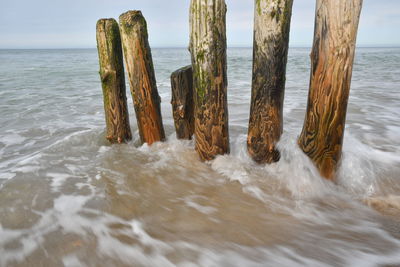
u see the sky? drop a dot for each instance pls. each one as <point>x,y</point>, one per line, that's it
<point>72,23</point>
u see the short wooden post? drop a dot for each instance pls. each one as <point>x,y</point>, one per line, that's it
<point>182,102</point>
<point>142,79</point>
<point>332,58</point>
<point>270,49</point>
<point>113,81</point>
<point>208,51</point>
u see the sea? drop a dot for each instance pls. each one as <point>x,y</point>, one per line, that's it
<point>69,198</point>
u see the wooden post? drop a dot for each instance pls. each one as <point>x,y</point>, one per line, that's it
<point>182,102</point>
<point>208,51</point>
<point>270,49</point>
<point>142,79</point>
<point>113,81</point>
<point>332,57</point>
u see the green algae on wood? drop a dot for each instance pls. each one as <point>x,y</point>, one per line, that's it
<point>208,53</point>
<point>113,81</point>
<point>270,49</point>
<point>332,56</point>
<point>142,80</point>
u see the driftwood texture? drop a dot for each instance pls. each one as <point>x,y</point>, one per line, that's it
<point>332,58</point>
<point>270,49</point>
<point>142,79</point>
<point>208,52</point>
<point>113,81</point>
<point>182,102</point>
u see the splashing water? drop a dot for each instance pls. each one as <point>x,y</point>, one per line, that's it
<point>68,198</point>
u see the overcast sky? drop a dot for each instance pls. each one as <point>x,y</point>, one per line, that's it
<point>72,23</point>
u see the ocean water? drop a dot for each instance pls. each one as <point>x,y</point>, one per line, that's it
<point>68,198</point>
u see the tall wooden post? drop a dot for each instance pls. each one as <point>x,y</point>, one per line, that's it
<point>270,49</point>
<point>208,50</point>
<point>332,55</point>
<point>142,79</point>
<point>182,102</point>
<point>113,81</point>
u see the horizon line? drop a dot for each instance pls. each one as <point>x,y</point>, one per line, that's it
<point>185,47</point>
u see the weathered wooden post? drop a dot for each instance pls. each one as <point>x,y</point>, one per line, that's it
<point>113,81</point>
<point>208,51</point>
<point>142,79</point>
<point>182,102</point>
<point>332,56</point>
<point>270,49</point>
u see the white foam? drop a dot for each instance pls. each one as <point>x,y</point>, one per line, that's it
<point>104,149</point>
<point>363,126</point>
<point>191,202</point>
<point>72,261</point>
<point>360,165</point>
<point>294,171</point>
<point>7,175</point>
<point>233,168</point>
<point>57,180</point>
<point>67,208</point>
<point>12,139</point>
<point>27,169</point>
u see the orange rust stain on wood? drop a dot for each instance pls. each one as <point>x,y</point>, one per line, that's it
<point>142,77</point>
<point>148,114</point>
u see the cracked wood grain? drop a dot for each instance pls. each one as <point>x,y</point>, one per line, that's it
<point>332,56</point>
<point>142,78</point>
<point>113,81</point>
<point>182,102</point>
<point>208,53</point>
<point>270,50</point>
